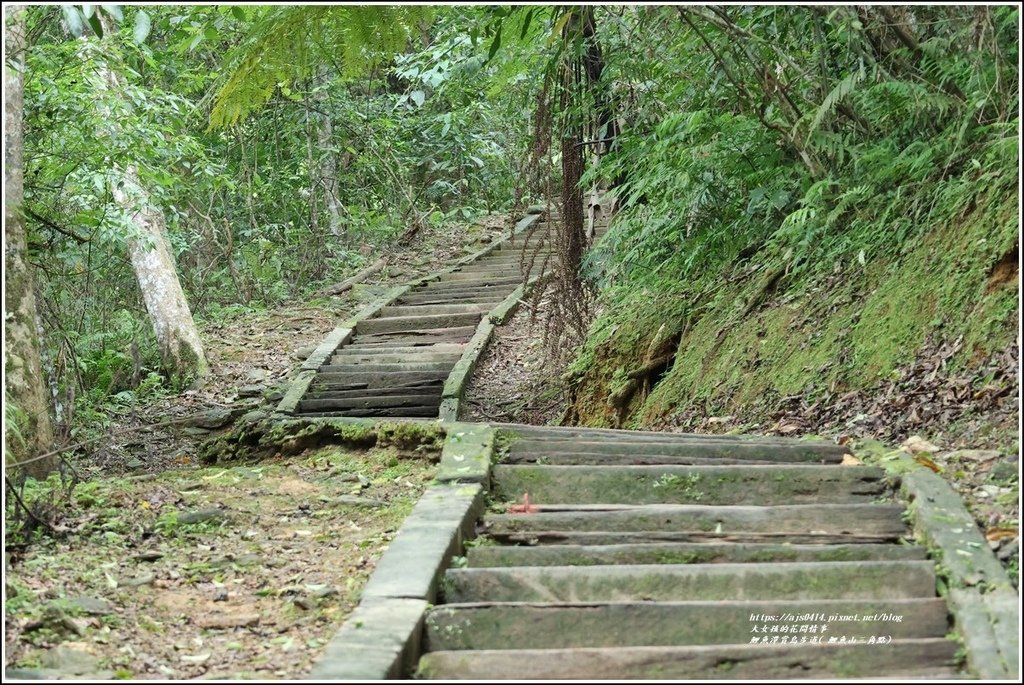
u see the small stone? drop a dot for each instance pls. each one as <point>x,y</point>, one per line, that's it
<point>257,375</point>
<point>69,660</point>
<point>195,431</point>
<point>138,581</point>
<point>979,456</point>
<point>221,621</point>
<point>303,603</point>
<point>1009,551</point>
<point>202,515</point>
<point>220,595</point>
<point>364,481</point>
<point>250,391</point>
<point>152,555</point>
<point>1004,470</point>
<point>92,606</point>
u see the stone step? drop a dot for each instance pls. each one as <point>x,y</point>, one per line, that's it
<point>416,323</point>
<point>782,453</point>
<point>874,580</point>
<point>783,484</point>
<point>425,356</point>
<point>366,379</point>
<point>679,553</point>
<point>598,537</point>
<point>461,334</point>
<point>394,367</point>
<point>432,310</point>
<point>854,520</point>
<point>377,402</point>
<point>528,625</point>
<point>901,659</point>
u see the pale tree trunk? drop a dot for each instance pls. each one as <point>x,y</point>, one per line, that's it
<point>329,174</point>
<point>181,351</point>
<point>24,386</point>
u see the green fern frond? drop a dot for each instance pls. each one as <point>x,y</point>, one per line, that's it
<point>842,90</point>
<point>289,41</point>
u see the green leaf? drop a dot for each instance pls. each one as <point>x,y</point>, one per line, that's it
<point>238,13</point>
<point>97,27</point>
<point>418,96</point>
<point>142,27</point>
<point>114,11</point>
<point>73,18</point>
<point>526,25</point>
<point>495,44</point>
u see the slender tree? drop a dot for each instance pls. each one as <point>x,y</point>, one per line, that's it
<point>24,386</point>
<point>181,351</point>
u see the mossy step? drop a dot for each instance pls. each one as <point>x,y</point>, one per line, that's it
<point>647,459</point>
<point>686,582</point>
<point>483,287</point>
<point>377,402</point>
<point>829,519</point>
<point>416,323</point>
<point>783,484</point>
<point>528,625</point>
<point>679,553</point>
<point>617,434</point>
<point>782,452</point>
<point>434,309</point>
<point>900,659</point>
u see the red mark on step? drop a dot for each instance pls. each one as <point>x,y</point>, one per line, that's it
<point>524,508</point>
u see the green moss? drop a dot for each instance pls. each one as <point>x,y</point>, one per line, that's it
<point>828,330</point>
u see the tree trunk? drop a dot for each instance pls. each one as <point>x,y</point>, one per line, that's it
<point>181,351</point>
<point>24,386</point>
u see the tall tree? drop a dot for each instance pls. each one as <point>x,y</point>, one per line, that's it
<point>181,351</point>
<point>25,388</point>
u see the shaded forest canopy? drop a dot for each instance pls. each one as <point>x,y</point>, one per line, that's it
<point>807,196</point>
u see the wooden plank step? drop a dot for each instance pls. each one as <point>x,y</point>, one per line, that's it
<point>497,275</point>
<point>782,484</point>
<point>876,580</point>
<point>796,452</point>
<point>436,335</point>
<point>395,367</point>
<point>924,658</point>
<point>679,553</point>
<point>646,459</point>
<point>394,412</point>
<point>628,537</point>
<point>403,391</point>
<point>385,348</point>
<point>574,433</point>
<point>530,625</point>
<point>416,323</point>
<point>420,357</point>
<point>482,288</point>
<point>473,297</point>
<point>830,519</point>
<point>432,310</point>
<point>376,379</point>
<point>372,402</point>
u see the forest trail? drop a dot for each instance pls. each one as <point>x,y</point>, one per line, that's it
<point>627,554</point>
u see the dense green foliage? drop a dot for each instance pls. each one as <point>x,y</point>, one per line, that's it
<point>860,164</point>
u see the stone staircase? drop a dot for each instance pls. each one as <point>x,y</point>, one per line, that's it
<point>669,556</point>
